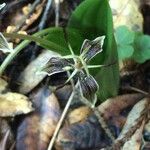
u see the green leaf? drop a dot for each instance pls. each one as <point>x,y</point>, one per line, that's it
<point>125,51</point>
<point>142,48</point>
<point>124,36</point>
<point>93,19</point>
<point>57,36</point>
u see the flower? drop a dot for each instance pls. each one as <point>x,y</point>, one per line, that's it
<point>78,66</point>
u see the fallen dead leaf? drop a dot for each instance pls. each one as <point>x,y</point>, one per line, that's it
<point>79,114</point>
<point>134,121</point>
<point>29,78</point>
<point>135,142</point>
<point>12,104</point>
<point>89,133</point>
<point>82,135</point>
<point>123,14</point>
<point>37,128</point>
<point>115,110</point>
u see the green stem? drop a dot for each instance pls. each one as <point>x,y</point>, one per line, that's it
<point>23,44</point>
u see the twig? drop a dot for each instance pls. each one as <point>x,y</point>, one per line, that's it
<point>45,15</point>
<point>57,4</point>
<point>61,121</point>
<point>33,6</point>
<point>103,124</point>
<point>138,90</point>
<point>23,44</point>
<point>63,115</point>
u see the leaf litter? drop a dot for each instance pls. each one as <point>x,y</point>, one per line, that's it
<point>124,115</point>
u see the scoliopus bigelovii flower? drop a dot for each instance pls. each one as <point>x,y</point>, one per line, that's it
<point>78,67</point>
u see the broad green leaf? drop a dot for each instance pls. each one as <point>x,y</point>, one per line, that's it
<point>125,51</point>
<point>57,36</point>
<point>124,36</point>
<point>93,19</point>
<point>142,48</point>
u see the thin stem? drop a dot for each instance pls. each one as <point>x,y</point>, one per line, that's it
<point>57,5</point>
<point>11,56</point>
<point>41,41</point>
<point>72,75</point>
<point>85,66</point>
<point>95,66</point>
<point>45,15</point>
<point>60,121</point>
<point>22,45</point>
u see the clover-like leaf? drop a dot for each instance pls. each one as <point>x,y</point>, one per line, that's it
<point>124,36</point>
<point>125,51</point>
<point>142,48</point>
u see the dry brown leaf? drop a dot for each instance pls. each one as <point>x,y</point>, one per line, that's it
<point>36,129</point>
<point>134,143</point>
<point>134,117</point>
<point>89,133</point>
<point>126,12</point>
<point>82,135</point>
<point>12,104</point>
<point>134,121</point>
<point>29,77</point>
<point>113,108</point>
<point>79,114</point>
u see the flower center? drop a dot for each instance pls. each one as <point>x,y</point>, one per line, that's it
<point>78,64</point>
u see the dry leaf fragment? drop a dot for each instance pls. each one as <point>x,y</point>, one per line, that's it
<point>79,114</point>
<point>29,77</point>
<point>82,135</point>
<point>115,110</point>
<point>123,14</point>
<point>135,141</point>
<point>12,104</point>
<point>35,131</point>
<point>134,121</point>
<point>134,117</point>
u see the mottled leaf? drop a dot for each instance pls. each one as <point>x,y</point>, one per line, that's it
<point>78,115</point>
<point>135,142</point>
<point>91,48</point>
<point>36,129</point>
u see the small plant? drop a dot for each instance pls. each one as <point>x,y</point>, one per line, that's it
<point>132,45</point>
<point>88,21</point>
<point>78,65</point>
